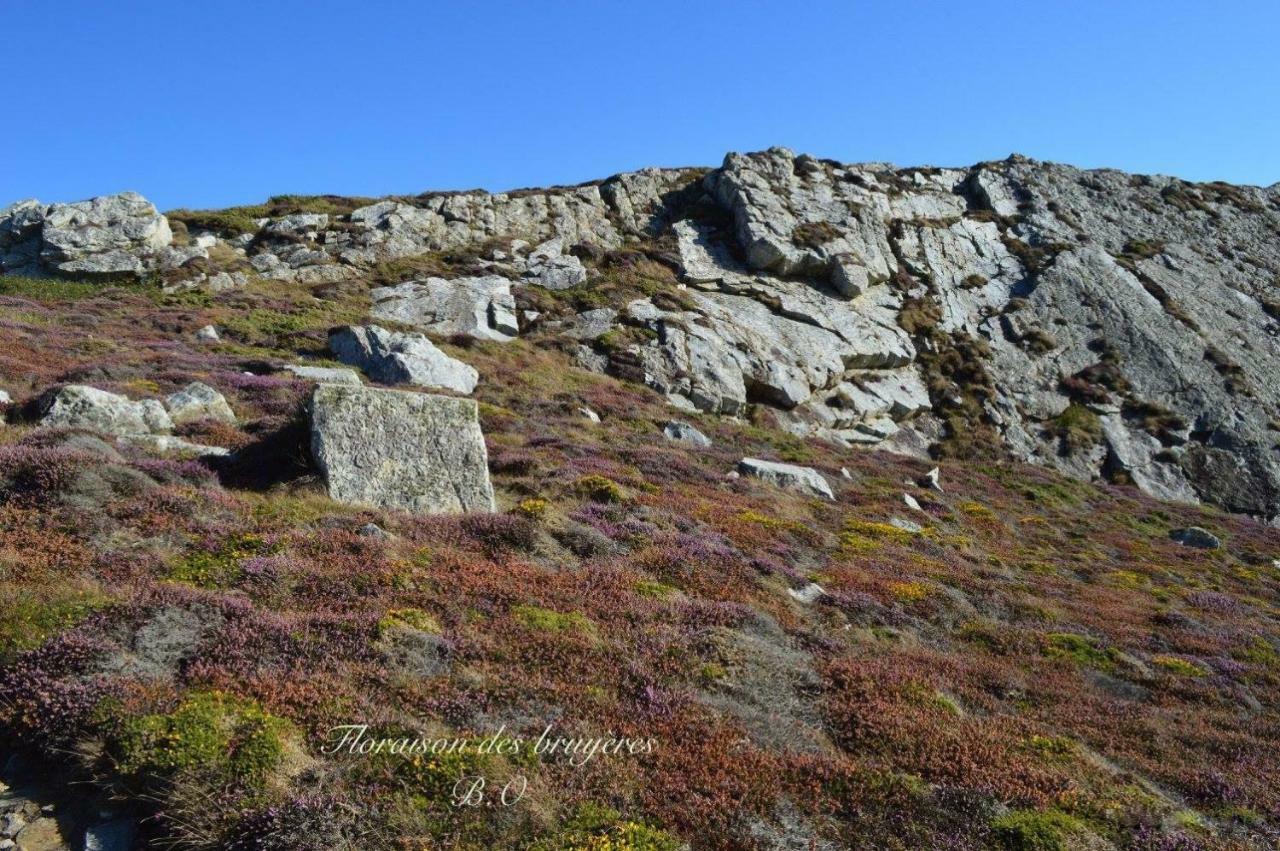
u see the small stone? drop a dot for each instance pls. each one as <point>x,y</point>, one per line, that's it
<point>844,471</point>
<point>682,432</point>
<point>931,480</point>
<point>208,334</point>
<point>41,834</point>
<point>5,398</point>
<point>110,836</point>
<point>906,525</point>
<point>1194,536</point>
<point>911,502</point>
<point>373,530</point>
<point>589,414</point>
<point>809,594</point>
<point>12,824</point>
<point>164,443</point>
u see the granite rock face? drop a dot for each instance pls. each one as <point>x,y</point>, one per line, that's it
<point>397,449</point>
<point>481,307</point>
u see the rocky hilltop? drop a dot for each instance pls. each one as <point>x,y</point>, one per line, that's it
<point>1107,325</point>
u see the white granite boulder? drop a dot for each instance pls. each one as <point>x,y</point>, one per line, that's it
<point>791,477</point>
<point>394,358</point>
<point>403,450</point>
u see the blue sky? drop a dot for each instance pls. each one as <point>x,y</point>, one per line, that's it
<point>218,103</point>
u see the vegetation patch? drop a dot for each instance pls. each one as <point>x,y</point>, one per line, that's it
<point>1078,428</point>
<point>1081,649</point>
<point>208,733</point>
<point>1037,830</point>
<point>814,235</point>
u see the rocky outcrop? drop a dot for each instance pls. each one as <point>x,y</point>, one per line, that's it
<point>144,423</point>
<point>80,406</point>
<point>1194,536</point>
<point>1104,324</point>
<point>394,358</point>
<point>396,449</point>
<point>548,266</point>
<point>114,236</point>
<point>481,307</point>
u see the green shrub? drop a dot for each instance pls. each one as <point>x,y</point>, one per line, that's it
<point>220,567</point>
<point>412,618</point>
<point>1080,649</point>
<point>1142,249</point>
<point>597,828</point>
<point>1179,667</point>
<point>53,289</point>
<point>549,620</point>
<point>861,536</point>
<point>213,733</point>
<point>1032,830</point>
<point>600,489</point>
<point>31,617</point>
<point>1078,427</point>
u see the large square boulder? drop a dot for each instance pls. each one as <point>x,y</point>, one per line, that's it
<point>415,452</point>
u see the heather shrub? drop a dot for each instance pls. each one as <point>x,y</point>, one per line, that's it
<point>306,823</point>
<point>38,473</point>
<point>501,533</point>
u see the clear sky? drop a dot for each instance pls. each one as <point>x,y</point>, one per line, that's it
<point>208,104</point>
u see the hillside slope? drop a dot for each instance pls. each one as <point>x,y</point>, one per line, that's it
<point>1024,657</point>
